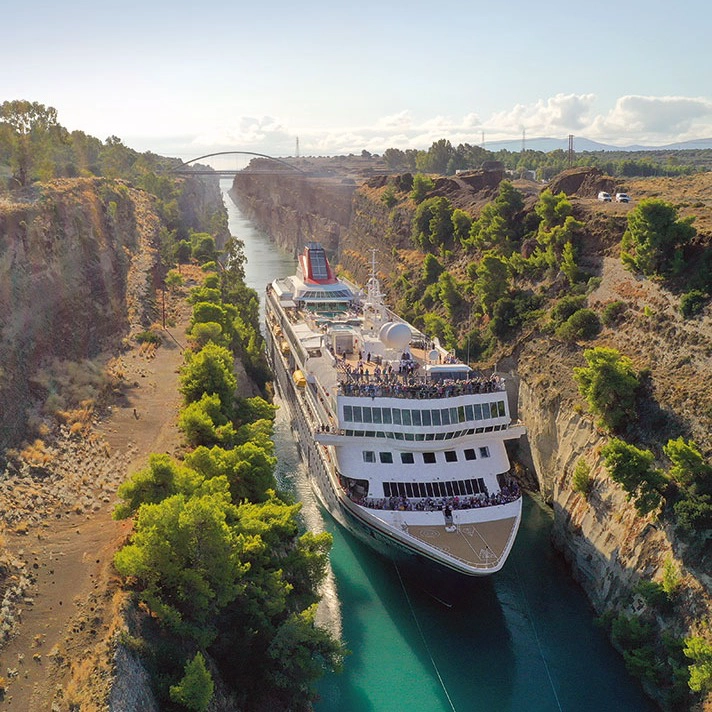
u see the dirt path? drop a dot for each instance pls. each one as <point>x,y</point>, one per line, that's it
<point>68,610</point>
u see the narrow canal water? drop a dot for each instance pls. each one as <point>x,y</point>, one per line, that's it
<point>524,641</point>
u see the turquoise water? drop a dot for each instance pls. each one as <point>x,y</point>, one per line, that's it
<point>524,641</point>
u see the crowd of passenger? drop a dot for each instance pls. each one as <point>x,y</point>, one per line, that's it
<point>375,387</point>
<point>508,493</point>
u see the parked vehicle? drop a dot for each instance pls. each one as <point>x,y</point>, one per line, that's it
<point>622,198</point>
<point>604,197</point>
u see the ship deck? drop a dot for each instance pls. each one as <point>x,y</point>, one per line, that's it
<point>480,544</point>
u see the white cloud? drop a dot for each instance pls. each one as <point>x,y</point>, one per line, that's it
<point>559,114</point>
<point>632,119</point>
<point>655,119</point>
<point>401,120</point>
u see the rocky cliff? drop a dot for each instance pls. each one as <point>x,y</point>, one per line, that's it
<point>295,208</point>
<point>66,250</point>
<point>79,265</point>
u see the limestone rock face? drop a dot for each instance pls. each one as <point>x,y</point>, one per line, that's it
<point>295,209</point>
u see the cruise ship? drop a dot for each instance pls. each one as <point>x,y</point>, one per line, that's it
<point>404,444</point>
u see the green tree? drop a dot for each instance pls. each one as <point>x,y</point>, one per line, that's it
<point>498,226</point>
<point>163,478</point>
<point>583,324</point>
<point>699,651</point>
<point>566,307</point>
<point>203,247</point>
<point>27,127</point>
<point>209,371</point>
<point>439,156</point>
<point>249,410</point>
<point>195,690</point>
<point>421,185</point>
<point>609,384</point>
<point>655,237</point>
<point>185,558</point>
<point>205,332</point>
<point>492,280</point>
<point>301,651</point>
<point>432,224</point>
<point>633,469</point>
<point>432,268</point>
<point>249,469</point>
<point>204,423</point>
<point>689,466</point>
<point>389,197</point>
<point>568,263</point>
<point>449,293</point>
<point>173,280</point>
<point>461,224</point>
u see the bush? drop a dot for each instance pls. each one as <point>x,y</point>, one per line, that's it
<point>653,594</point>
<point>609,385</point>
<point>612,314</point>
<point>692,303</point>
<point>149,337</point>
<point>566,307</point>
<point>581,325</point>
<point>389,196</point>
<point>582,482</point>
<point>632,468</point>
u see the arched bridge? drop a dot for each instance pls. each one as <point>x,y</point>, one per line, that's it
<point>186,169</point>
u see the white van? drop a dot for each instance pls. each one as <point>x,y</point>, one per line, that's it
<point>604,197</point>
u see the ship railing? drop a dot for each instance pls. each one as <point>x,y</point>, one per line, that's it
<point>508,493</point>
<point>370,386</point>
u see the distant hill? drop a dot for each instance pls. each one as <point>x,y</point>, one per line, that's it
<point>585,144</point>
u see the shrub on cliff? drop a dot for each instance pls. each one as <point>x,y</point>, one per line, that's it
<point>609,384</point>
<point>655,238</point>
<point>632,468</point>
<point>581,481</point>
<point>583,324</point>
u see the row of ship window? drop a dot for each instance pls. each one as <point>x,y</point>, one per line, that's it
<point>429,458</point>
<point>426,417</point>
<point>434,489</point>
<point>419,437</point>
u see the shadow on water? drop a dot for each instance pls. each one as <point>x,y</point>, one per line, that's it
<point>564,661</point>
<point>408,651</point>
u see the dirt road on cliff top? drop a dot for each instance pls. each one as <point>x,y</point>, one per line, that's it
<point>61,657</point>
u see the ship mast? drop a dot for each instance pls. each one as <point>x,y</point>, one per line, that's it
<point>375,309</point>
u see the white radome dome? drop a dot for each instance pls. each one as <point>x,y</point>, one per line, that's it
<point>395,335</point>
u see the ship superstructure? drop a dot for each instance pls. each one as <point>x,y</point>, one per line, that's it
<point>403,442</point>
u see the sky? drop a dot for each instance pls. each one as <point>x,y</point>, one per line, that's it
<point>186,79</point>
